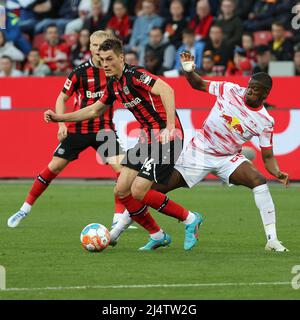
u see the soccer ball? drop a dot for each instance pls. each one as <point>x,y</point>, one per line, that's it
<point>95,237</point>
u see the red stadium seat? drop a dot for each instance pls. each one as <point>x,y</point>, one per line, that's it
<point>262,37</point>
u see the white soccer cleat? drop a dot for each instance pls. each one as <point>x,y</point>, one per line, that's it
<point>15,219</point>
<point>123,224</point>
<point>275,245</point>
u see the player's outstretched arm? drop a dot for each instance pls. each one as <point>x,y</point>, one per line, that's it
<point>272,167</point>
<point>188,65</point>
<point>93,111</point>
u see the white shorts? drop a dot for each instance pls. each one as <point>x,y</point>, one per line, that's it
<point>194,165</point>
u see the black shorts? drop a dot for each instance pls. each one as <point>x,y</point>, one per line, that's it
<point>106,143</point>
<point>155,161</point>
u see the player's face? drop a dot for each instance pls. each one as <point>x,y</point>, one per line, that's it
<point>112,63</point>
<point>255,94</point>
<point>95,43</point>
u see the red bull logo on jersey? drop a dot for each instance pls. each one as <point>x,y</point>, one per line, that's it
<point>233,123</point>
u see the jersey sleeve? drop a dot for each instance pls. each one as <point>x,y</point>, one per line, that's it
<point>144,79</point>
<point>266,138</point>
<point>71,84</point>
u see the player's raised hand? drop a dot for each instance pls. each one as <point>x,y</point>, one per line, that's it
<point>50,116</point>
<point>167,134</point>
<point>62,132</point>
<point>187,61</point>
<point>283,177</point>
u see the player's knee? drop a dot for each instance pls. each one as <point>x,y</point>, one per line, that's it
<point>259,180</point>
<point>137,193</point>
<point>121,192</point>
<point>56,167</point>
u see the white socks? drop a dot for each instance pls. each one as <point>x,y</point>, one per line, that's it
<point>157,235</point>
<point>26,207</point>
<point>190,218</point>
<point>266,208</point>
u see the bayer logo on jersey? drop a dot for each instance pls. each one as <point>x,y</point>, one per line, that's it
<point>95,237</point>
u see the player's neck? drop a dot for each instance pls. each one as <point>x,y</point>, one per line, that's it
<point>96,63</point>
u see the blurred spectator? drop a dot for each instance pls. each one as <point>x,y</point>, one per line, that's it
<point>7,68</point>
<point>263,57</point>
<point>98,20</point>
<point>13,32</point>
<point>8,49</point>
<point>281,47</point>
<point>175,24</point>
<point>80,52</point>
<point>142,26</point>
<point>84,10</point>
<point>243,8</point>
<point>297,59</point>
<point>264,12</point>
<point>165,8</point>
<point>161,47</point>
<point>207,68</point>
<point>53,49</point>
<point>64,12</point>
<point>202,21</point>
<point>190,44</point>
<point>35,66</point>
<point>139,9</point>
<point>241,64</point>
<point>153,64</point>
<point>248,45</point>
<point>230,23</point>
<point>131,58</point>
<point>220,50</point>
<point>120,21</point>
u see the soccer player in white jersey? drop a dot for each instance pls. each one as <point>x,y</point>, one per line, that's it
<point>237,116</point>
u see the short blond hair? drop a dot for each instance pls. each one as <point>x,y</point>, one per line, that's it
<point>100,34</point>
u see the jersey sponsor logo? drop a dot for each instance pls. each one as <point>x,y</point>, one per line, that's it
<point>68,84</point>
<point>145,78</point>
<point>132,103</point>
<point>233,123</point>
<point>98,94</point>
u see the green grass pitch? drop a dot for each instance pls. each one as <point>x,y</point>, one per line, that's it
<point>45,258</point>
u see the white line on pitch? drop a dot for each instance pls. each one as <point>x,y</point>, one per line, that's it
<point>141,286</point>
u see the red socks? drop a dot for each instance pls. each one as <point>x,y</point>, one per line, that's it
<point>140,214</point>
<point>40,185</point>
<point>162,203</point>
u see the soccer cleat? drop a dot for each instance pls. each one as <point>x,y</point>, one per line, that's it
<point>154,244</point>
<point>275,245</point>
<point>15,219</point>
<point>191,232</point>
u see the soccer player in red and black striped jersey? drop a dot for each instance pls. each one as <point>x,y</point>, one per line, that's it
<point>87,83</point>
<point>151,100</point>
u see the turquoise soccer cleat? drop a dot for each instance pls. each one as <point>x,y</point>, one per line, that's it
<point>154,244</point>
<point>191,232</point>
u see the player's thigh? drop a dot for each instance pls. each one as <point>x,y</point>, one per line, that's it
<point>124,182</point>
<point>56,165</point>
<point>115,162</point>
<point>247,175</point>
<point>175,181</point>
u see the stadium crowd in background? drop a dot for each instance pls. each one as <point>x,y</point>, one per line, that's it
<point>227,37</point>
